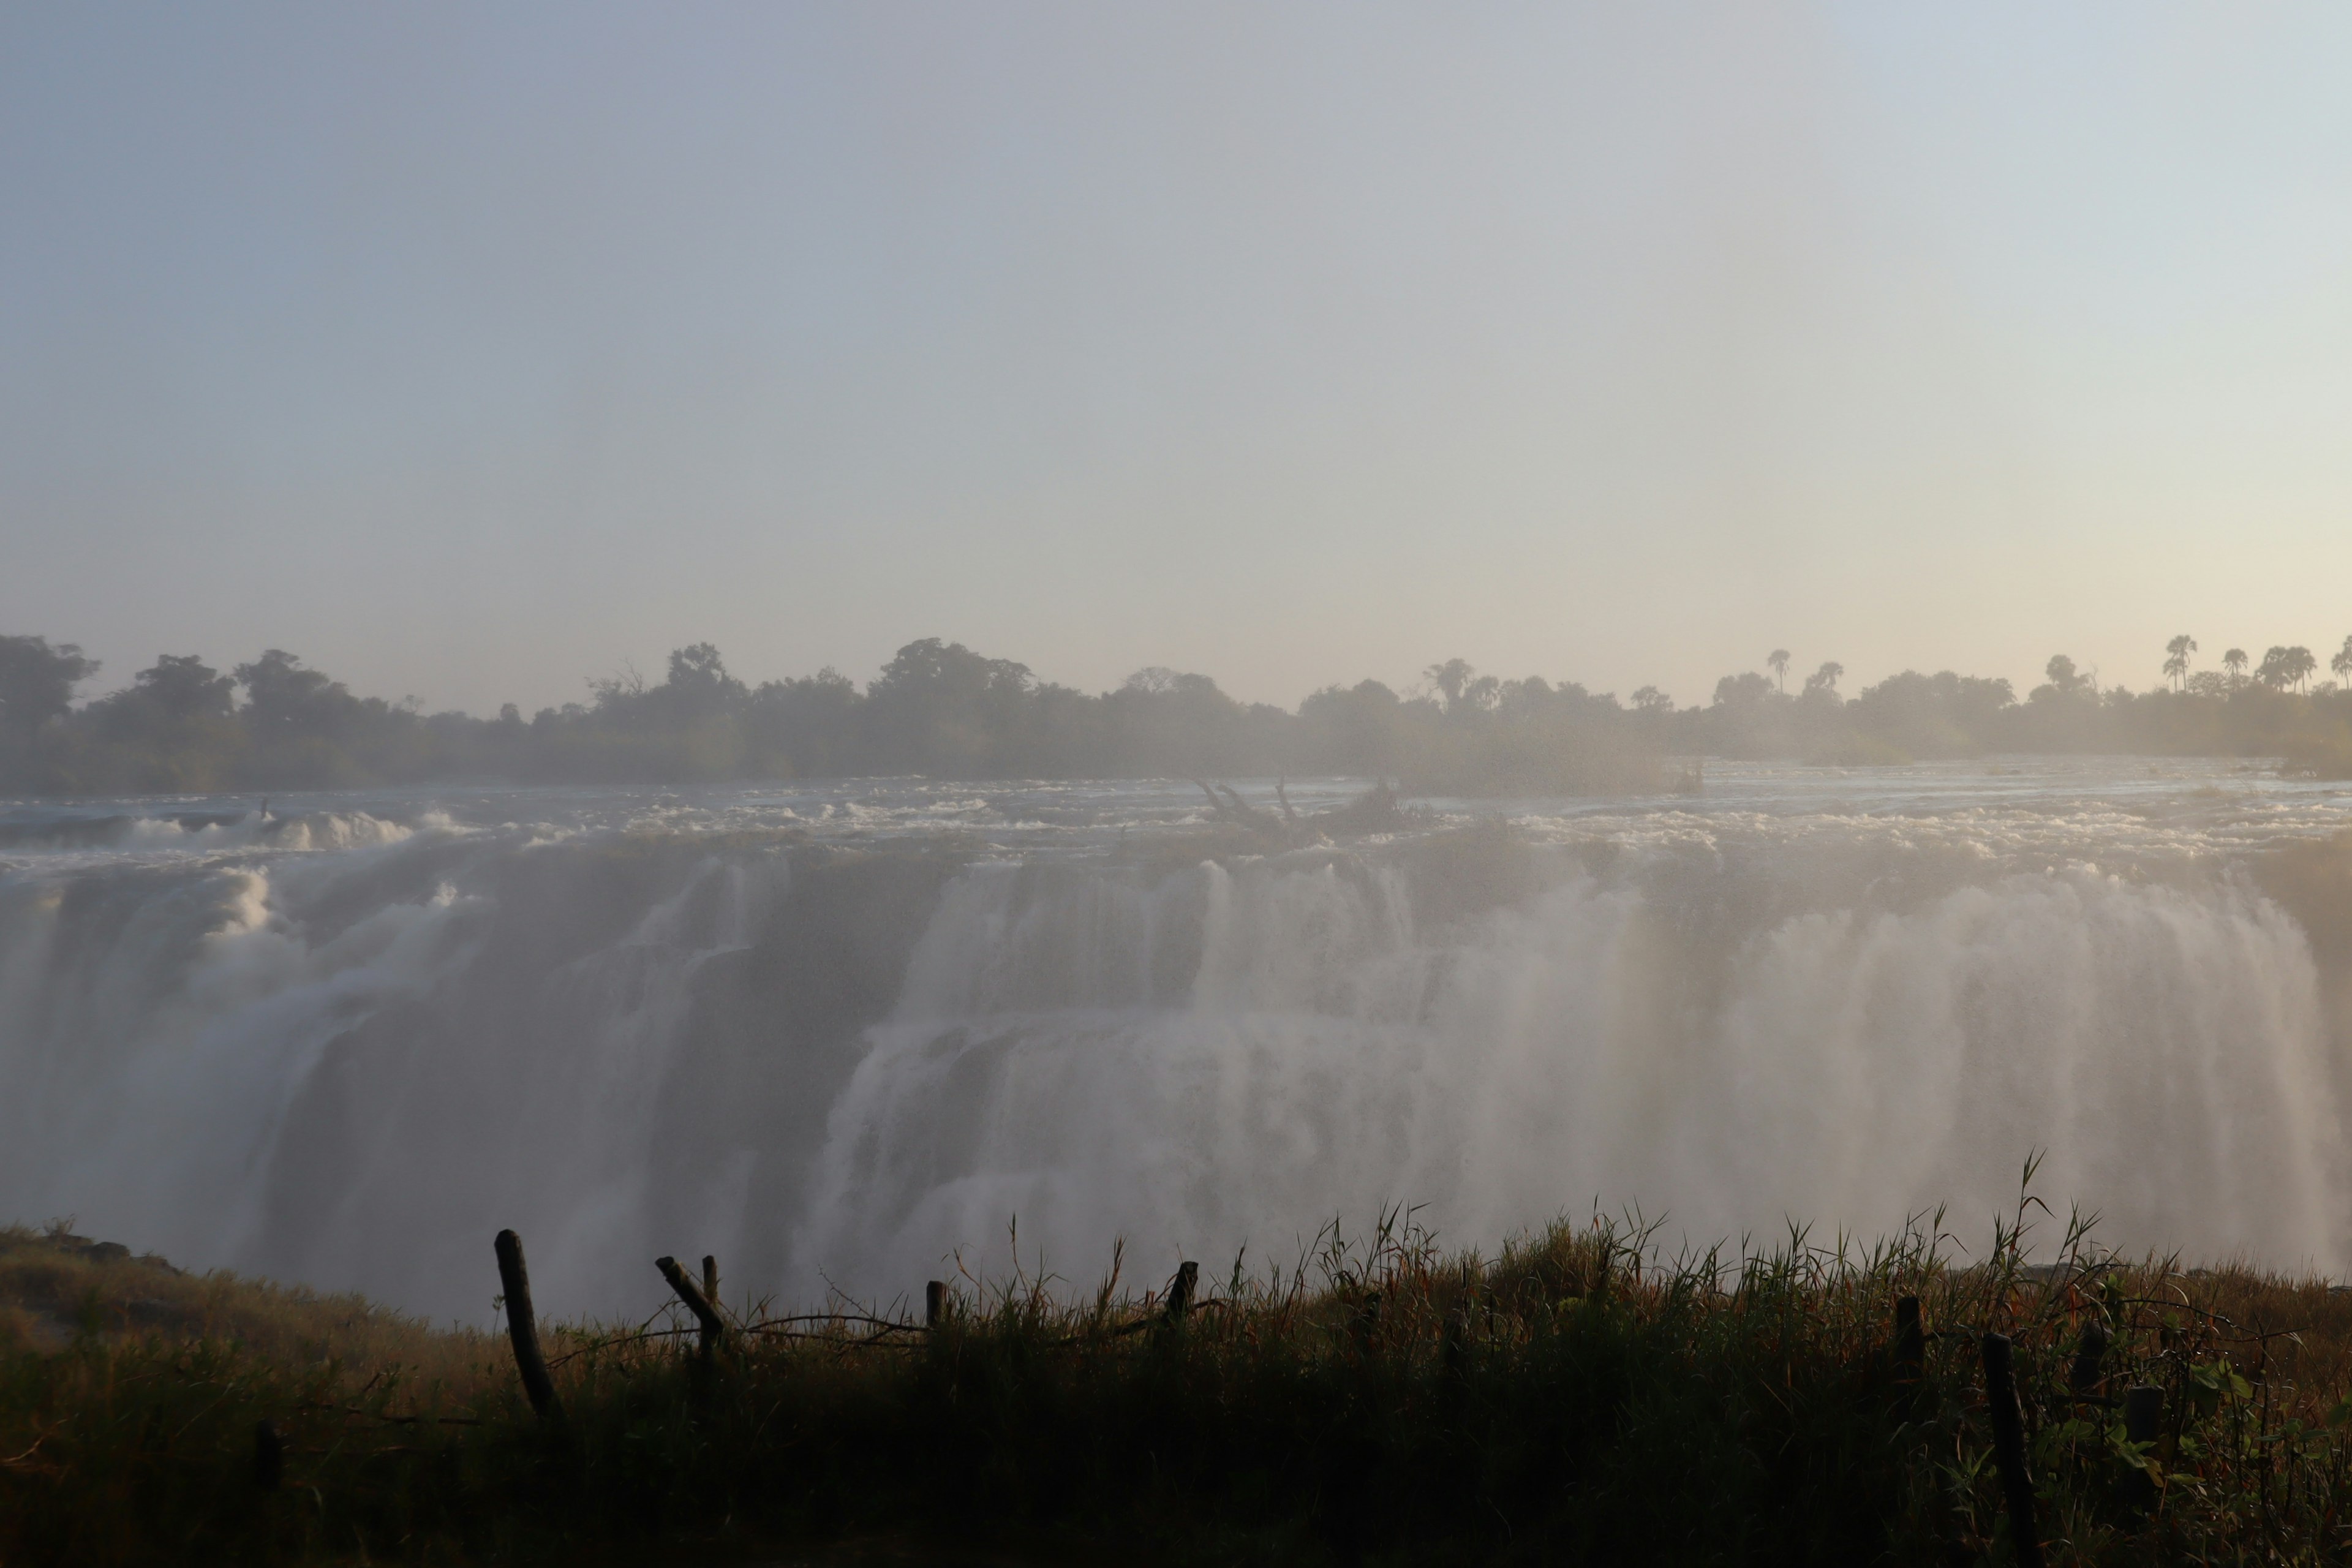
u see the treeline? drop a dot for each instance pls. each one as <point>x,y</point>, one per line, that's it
<point>2272,709</point>
<point>937,708</point>
<point>941,710</point>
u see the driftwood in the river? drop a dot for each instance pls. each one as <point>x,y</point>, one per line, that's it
<point>1377,810</point>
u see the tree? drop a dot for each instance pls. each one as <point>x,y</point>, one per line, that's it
<point>184,687</point>
<point>1940,715</point>
<point>699,684</point>
<point>1778,661</point>
<point>37,682</point>
<point>2284,666</point>
<point>2063,675</point>
<point>1353,729</point>
<point>2342,663</point>
<point>2234,661</point>
<point>1452,678</point>
<point>1825,679</point>
<point>1733,690</point>
<point>699,666</point>
<point>938,708</point>
<point>2176,659</point>
<point>1650,699</point>
<point>284,701</point>
<point>163,700</point>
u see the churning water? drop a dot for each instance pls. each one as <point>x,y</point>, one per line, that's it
<point>835,1034</point>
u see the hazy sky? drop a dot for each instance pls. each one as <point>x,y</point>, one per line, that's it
<point>468,351</point>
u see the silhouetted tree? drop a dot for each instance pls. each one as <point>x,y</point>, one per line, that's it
<point>2176,659</point>
<point>2284,666</point>
<point>2301,663</point>
<point>939,706</point>
<point>2064,679</point>
<point>2342,663</point>
<point>1735,690</point>
<point>161,700</point>
<point>1452,678</point>
<point>1940,715</point>
<point>284,701</point>
<point>1358,728</point>
<point>1823,681</point>
<point>2234,661</point>
<point>1778,659</point>
<point>37,682</point>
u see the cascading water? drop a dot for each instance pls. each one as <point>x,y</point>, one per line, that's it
<point>835,1037</point>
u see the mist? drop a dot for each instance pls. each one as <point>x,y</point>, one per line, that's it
<point>467,352</point>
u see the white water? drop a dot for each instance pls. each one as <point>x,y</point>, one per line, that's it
<point>836,1036</point>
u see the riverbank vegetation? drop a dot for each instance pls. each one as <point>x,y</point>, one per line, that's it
<point>939,709</point>
<point>1578,1397</point>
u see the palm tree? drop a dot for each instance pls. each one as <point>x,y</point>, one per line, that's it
<point>2284,666</point>
<point>1825,679</point>
<point>2234,661</point>
<point>2177,652</point>
<point>1780,663</point>
<point>1450,677</point>
<point>2342,663</point>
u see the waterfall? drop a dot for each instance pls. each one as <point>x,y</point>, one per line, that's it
<point>348,1054</point>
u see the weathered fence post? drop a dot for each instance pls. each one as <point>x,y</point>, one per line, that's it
<point>711,1279</point>
<point>1910,1340</point>
<point>523,1328</point>
<point>2009,1450</point>
<point>1180,1291</point>
<point>2143,1420</point>
<point>2082,1377</point>
<point>714,1327</point>
<point>268,1458</point>
<point>935,1302</point>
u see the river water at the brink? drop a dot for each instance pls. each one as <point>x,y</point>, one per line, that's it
<point>835,1033</point>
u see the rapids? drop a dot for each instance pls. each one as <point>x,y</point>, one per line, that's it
<point>837,1035</point>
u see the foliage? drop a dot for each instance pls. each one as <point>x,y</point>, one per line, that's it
<point>941,710</point>
<point>937,708</point>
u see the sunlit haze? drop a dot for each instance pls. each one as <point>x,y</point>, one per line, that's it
<point>473,351</point>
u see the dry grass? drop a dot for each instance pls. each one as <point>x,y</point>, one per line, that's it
<point>1576,1398</point>
<point>57,1287</point>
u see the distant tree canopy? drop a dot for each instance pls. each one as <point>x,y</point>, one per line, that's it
<point>37,683</point>
<point>939,709</point>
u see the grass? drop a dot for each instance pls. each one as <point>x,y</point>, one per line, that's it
<point>1576,1398</point>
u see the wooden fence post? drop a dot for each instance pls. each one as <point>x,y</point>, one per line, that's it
<point>1910,1340</point>
<point>714,1327</point>
<point>1180,1291</point>
<point>523,1328</point>
<point>2082,1377</point>
<point>2009,1450</point>
<point>711,1279</point>
<point>268,1458</point>
<point>935,1302</point>
<point>2143,1419</point>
